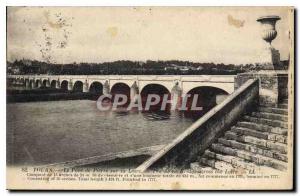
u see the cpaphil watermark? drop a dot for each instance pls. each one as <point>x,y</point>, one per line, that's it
<point>180,103</point>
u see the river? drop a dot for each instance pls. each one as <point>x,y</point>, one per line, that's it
<point>49,132</point>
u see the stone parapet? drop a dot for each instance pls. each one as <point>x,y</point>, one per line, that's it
<point>273,85</point>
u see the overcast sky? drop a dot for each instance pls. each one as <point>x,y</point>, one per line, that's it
<point>94,34</point>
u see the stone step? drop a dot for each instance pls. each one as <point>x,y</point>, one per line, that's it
<point>254,149</point>
<point>221,165</point>
<point>256,158</point>
<point>234,161</point>
<point>273,110</point>
<point>270,116</point>
<point>261,127</point>
<point>249,132</point>
<point>274,123</point>
<point>259,134</point>
<point>270,145</point>
<point>283,105</point>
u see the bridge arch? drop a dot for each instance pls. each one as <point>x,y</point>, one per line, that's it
<point>53,83</point>
<point>64,85</point>
<point>120,88</point>
<point>206,97</point>
<point>188,86</point>
<point>22,81</point>
<point>157,89</point>
<point>46,83</point>
<point>38,83</point>
<point>166,84</point>
<point>78,80</point>
<point>128,82</point>
<point>78,86</point>
<point>15,81</point>
<point>96,88</point>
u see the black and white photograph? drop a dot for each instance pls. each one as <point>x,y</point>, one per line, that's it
<point>149,98</point>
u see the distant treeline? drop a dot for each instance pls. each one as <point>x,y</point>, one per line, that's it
<point>125,67</point>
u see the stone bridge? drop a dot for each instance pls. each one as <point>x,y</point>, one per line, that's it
<point>136,83</point>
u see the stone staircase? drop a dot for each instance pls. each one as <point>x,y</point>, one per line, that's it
<point>258,141</point>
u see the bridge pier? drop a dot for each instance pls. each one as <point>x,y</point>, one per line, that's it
<point>106,88</point>
<point>85,88</point>
<point>39,83</point>
<point>70,85</point>
<point>57,85</point>
<point>27,85</point>
<point>176,94</point>
<point>32,84</point>
<point>134,91</point>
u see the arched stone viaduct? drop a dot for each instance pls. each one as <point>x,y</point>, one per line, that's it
<point>179,83</point>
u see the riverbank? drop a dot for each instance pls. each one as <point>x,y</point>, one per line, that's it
<point>46,94</point>
<point>125,159</point>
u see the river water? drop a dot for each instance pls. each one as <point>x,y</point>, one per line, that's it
<point>57,131</point>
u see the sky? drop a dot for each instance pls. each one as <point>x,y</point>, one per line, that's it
<point>102,34</point>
